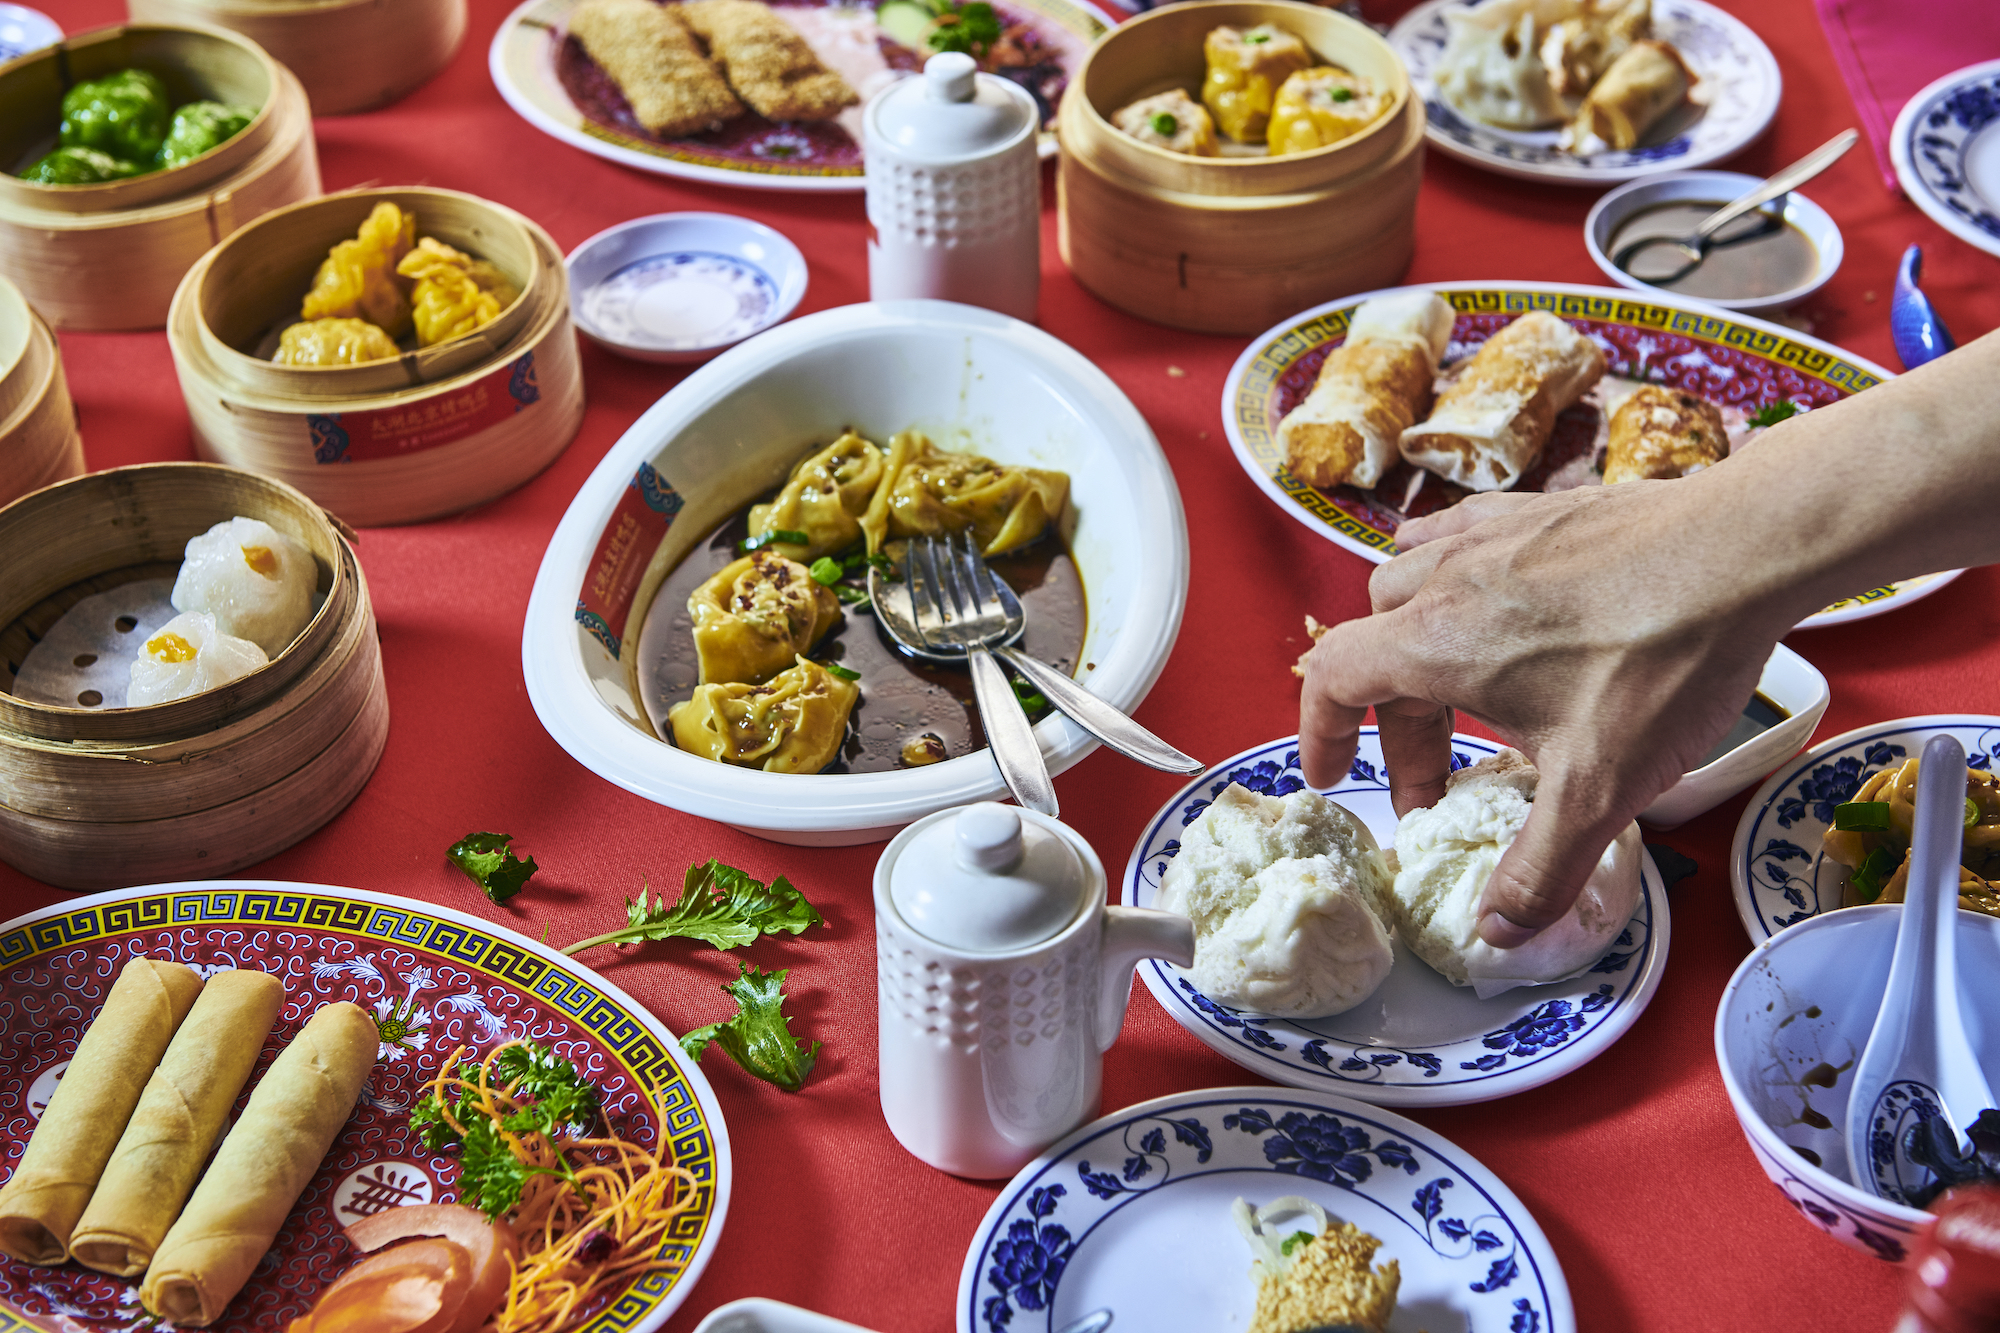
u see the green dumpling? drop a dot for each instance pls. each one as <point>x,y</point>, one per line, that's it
<point>78,166</point>
<point>200,126</point>
<point>124,114</point>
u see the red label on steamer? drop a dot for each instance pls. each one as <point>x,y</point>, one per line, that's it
<point>644,512</point>
<point>392,432</point>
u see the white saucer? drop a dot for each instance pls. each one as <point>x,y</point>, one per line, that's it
<point>680,287</point>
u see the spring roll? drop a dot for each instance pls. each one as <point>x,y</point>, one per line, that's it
<point>1370,389</point>
<point>1494,421</point>
<point>652,57</point>
<point>1641,86</point>
<point>176,1124</point>
<point>768,63</point>
<point>1661,432</point>
<point>262,1167</point>
<point>80,1127</point>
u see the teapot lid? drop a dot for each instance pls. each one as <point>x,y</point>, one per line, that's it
<point>951,112</point>
<point>986,881</point>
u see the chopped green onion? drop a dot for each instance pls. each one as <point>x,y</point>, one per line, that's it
<point>1772,413</point>
<point>1971,812</point>
<point>826,571</point>
<point>1256,38</point>
<point>1873,872</point>
<point>882,563</point>
<point>1032,699</point>
<point>1862,817</point>
<point>1341,95</point>
<point>1293,1241</point>
<point>788,536</point>
<point>850,594</point>
<point>836,669</point>
<point>1165,125</point>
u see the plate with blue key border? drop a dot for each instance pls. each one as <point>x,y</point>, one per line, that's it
<point>1946,149</point>
<point>1132,1212</point>
<point>1777,870</point>
<point>1418,1040</point>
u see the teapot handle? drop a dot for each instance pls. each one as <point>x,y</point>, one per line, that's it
<point>1130,934</point>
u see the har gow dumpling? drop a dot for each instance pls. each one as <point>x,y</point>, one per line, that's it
<point>257,582</point>
<point>189,655</point>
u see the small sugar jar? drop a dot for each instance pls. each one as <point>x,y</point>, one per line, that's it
<point>954,189</point>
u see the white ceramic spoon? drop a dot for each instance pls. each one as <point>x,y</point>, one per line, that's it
<point>1919,1063</point>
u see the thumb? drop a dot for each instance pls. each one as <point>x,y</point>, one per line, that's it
<point>1541,874</point>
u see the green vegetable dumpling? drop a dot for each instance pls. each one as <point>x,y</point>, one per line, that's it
<point>794,723</point>
<point>78,166</point>
<point>755,616</point>
<point>935,492</point>
<point>826,499</point>
<point>124,114</point>
<point>200,126</point>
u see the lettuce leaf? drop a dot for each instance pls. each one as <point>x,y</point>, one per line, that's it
<point>759,1036</point>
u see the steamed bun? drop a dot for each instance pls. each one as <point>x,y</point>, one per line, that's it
<point>1286,895</point>
<point>1446,854</point>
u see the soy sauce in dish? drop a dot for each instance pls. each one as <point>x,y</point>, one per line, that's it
<point>901,701</point>
<point>1777,261</point>
<point>1759,716</point>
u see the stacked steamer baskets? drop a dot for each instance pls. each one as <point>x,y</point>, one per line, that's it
<point>96,798</point>
<point>426,434</point>
<point>109,256</point>
<point>351,55</point>
<point>1232,244</point>
<point>39,445</point>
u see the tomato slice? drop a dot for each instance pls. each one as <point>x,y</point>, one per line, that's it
<point>489,1244</point>
<point>416,1288</point>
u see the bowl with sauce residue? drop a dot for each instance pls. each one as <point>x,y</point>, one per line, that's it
<point>1792,249</point>
<point>1791,697</point>
<point>1791,1026</point>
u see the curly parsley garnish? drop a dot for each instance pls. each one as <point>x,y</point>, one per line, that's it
<point>550,1098</point>
<point>759,1036</point>
<point>719,904</point>
<point>1772,413</point>
<point>971,27</point>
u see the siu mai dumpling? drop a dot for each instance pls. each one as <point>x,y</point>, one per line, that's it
<point>754,617</point>
<point>1491,68</point>
<point>1318,107</point>
<point>793,723</point>
<point>824,500</point>
<point>333,342</point>
<point>1245,68</point>
<point>1170,120</point>
<point>935,493</point>
<point>357,279</point>
<point>189,655</point>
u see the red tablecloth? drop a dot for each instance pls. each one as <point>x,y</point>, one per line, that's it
<point>1634,1165</point>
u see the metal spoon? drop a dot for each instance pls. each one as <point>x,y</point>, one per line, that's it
<point>1918,1064</point>
<point>1694,247</point>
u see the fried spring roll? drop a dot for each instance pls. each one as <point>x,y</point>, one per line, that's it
<point>768,63</point>
<point>294,1114</point>
<point>177,1121</point>
<point>1641,86</point>
<point>1370,389</point>
<point>655,62</point>
<point>80,1127</point>
<point>1493,422</point>
<point>1661,432</point>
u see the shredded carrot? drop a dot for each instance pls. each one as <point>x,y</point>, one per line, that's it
<point>603,1193</point>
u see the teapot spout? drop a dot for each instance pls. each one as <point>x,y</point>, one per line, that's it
<point>1131,934</point>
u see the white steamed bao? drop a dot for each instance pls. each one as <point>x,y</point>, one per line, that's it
<point>188,655</point>
<point>257,582</point>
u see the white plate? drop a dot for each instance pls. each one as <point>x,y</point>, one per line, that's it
<point>1132,1212</point>
<point>522,61</point>
<point>1946,147</point>
<point>1737,75</point>
<point>1418,1040</point>
<point>1776,867</point>
<point>1729,358</point>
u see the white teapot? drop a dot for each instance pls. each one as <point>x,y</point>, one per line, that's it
<point>1003,979</point>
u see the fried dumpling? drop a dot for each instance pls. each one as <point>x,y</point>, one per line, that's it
<point>794,723</point>
<point>333,342</point>
<point>1492,70</point>
<point>755,616</point>
<point>825,499</point>
<point>1245,68</point>
<point>935,492</point>
<point>358,280</point>
<point>455,293</point>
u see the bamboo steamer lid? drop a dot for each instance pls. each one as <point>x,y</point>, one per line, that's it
<point>39,442</point>
<point>117,266</point>
<point>18,371</point>
<point>351,55</point>
<point>1232,244</point>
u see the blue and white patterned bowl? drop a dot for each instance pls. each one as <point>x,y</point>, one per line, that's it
<point>23,30</point>
<point>1737,75</point>
<point>1946,147</point>
<point>1418,1040</point>
<point>1132,1212</point>
<point>680,287</point>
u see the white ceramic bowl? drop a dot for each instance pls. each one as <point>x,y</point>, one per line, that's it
<point>680,287</point>
<point>756,1314</point>
<point>1790,682</point>
<point>1609,213</point>
<point>732,430</point>
<point>23,30</point>
<point>1808,996</point>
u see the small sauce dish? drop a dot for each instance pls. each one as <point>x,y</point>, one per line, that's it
<point>1799,691</point>
<point>678,288</point>
<point>1779,267</point>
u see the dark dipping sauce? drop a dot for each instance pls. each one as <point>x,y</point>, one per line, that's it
<point>900,699</point>
<point>1778,261</point>
<point>1759,716</point>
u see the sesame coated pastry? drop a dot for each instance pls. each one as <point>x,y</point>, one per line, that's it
<point>1662,432</point>
<point>768,63</point>
<point>1329,1282</point>
<point>656,63</point>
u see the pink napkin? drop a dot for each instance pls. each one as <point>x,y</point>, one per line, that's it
<point>1888,49</point>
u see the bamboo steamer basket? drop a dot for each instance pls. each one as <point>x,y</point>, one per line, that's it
<point>99,798</point>
<point>351,55</point>
<point>1232,244</point>
<point>405,455</point>
<point>39,443</point>
<point>110,256</point>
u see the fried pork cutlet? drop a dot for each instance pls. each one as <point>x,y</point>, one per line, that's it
<point>656,63</point>
<point>768,63</point>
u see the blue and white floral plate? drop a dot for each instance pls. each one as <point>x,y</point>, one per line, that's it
<point>1418,1040</point>
<point>1946,147</point>
<point>1132,1212</point>
<point>1779,874</point>
<point>1736,76</point>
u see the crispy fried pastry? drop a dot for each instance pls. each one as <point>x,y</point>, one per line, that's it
<point>767,62</point>
<point>655,61</point>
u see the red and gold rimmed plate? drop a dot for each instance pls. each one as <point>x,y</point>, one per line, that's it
<point>547,78</point>
<point>1738,363</point>
<point>435,979</point>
